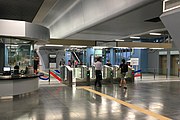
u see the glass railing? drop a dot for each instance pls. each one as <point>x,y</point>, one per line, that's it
<point>157,73</point>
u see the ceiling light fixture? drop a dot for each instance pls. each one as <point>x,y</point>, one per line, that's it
<point>53,45</point>
<point>156,48</point>
<point>135,37</point>
<point>155,33</point>
<point>99,47</point>
<point>139,48</point>
<point>121,47</point>
<point>77,46</point>
<point>119,40</point>
<point>14,45</point>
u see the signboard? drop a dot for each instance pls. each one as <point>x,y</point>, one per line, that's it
<point>107,44</point>
<point>52,61</point>
<point>174,52</point>
<point>134,61</point>
<point>162,52</point>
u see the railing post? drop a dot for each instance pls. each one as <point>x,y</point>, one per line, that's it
<point>93,72</point>
<point>132,77</point>
<point>62,72</point>
<point>88,77</point>
<point>111,76</point>
<point>82,72</point>
<point>49,75</point>
<point>69,77</point>
<point>141,74</point>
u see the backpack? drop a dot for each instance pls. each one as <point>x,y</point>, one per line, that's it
<point>124,68</point>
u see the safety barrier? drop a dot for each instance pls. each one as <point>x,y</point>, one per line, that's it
<point>82,74</point>
<point>47,75</point>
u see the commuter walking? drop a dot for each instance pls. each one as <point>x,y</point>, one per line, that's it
<point>98,68</point>
<point>69,63</point>
<point>124,68</point>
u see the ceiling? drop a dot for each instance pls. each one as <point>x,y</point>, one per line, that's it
<point>138,22</point>
<point>23,10</point>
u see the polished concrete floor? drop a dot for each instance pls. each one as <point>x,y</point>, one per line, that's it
<point>59,102</point>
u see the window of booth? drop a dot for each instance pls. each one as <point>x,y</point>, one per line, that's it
<point>18,52</point>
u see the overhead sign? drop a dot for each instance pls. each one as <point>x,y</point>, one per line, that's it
<point>134,61</point>
<point>107,44</point>
<point>52,61</point>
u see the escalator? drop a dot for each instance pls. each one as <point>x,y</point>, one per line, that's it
<point>75,56</point>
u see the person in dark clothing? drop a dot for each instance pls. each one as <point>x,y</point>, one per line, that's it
<point>62,62</point>
<point>98,68</point>
<point>124,68</point>
<point>36,63</point>
<point>108,63</point>
<point>69,63</point>
<point>16,69</point>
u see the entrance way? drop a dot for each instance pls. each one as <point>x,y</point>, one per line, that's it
<point>174,64</point>
<point>162,64</point>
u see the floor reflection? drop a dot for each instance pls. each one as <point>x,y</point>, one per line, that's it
<point>70,103</point>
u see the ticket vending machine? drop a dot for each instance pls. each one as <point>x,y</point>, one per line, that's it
<point>52,61</point>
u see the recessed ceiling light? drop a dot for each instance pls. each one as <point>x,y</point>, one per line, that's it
<point>139,48</point>
<point>118,40</point>
<point>54,45</point>
<point>156,48</point>
<point>155,33</point>
<point>77,46</point>
<point>99,47</point>
<point>135,37</point>
<point>121,47</point>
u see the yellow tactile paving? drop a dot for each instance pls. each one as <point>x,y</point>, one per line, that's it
<point>145,111</point>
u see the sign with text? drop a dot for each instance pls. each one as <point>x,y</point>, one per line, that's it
<point>134,61</point>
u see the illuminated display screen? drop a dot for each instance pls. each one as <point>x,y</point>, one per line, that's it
<point>7,69</point>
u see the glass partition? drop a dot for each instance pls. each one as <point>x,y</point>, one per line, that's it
<point>18,52</point>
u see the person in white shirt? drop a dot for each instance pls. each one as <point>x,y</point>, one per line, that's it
<point>98,68</point>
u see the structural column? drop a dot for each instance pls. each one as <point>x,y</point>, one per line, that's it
<point>2,54</point>
<point>168,63</point>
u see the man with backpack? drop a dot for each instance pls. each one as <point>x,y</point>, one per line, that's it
<point>124,69</point>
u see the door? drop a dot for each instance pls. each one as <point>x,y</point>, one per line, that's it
<point>174,64</point>
<point>162,64</point>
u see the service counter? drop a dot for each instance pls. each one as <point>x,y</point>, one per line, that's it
<point>11,85</point>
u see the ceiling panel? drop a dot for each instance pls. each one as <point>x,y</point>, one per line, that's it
<point>133,22</point>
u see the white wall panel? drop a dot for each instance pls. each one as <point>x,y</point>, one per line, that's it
<point>15,28</point>
<point>12,28</point>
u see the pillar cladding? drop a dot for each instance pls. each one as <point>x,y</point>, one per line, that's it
<point>2,54</point>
